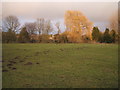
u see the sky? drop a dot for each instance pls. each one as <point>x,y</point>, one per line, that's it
<point>97,12</point>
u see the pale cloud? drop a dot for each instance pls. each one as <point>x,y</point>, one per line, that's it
<point>95,11</point>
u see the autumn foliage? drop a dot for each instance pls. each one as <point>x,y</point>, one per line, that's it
<point>78,29</point>
<point>77,25</point>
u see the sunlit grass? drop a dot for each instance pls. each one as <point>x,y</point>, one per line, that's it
<point>60,65</point>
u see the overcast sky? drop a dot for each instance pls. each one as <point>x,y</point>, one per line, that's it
<point>98,12</point>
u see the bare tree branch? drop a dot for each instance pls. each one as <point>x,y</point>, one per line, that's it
<point>31,28</point>
<point>11,22</point>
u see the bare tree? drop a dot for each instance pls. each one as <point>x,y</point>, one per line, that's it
<point>58,27</point>
<point>31,28</point>
<point>11,23</point>
<point>40,25</point>
<point>47,27</point>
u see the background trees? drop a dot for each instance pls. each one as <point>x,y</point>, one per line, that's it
<point>44,38</point>
<point>31,28</point>
<point>106,36</point>
<point>24,36</point>
<point>78,29</point>
<point>76,23</point>
<point>11,23</point>
<point>95,34</point>
<point>58,27</point>
<point>9,37</point>
<point>40,25</point>
<point>113,36</point>
<point>63,38</point>
<point>47,27</point>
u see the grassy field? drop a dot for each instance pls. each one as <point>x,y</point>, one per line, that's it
<point>60,65</point>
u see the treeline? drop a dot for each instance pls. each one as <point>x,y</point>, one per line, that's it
<point>78,30</point>
<point>108,36</point>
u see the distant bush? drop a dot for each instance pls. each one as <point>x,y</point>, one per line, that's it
<point>56,38</point>
<point>9,37</point>
<point>63,38</point>
<point>85,39</point>
<point>117,38</point>
<point>113,36</point>
<point>74,37</point>
<point>100,39</point>
<point>95,34</point>
<point>24,36</point>
<point>44,38</point>
<point>106,36</point>
<point>60,38</point>
<point>33,38</point>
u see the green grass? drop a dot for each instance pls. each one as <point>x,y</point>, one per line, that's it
<point>61,66</point>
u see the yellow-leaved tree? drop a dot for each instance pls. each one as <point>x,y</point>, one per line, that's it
<point>77,25</point>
